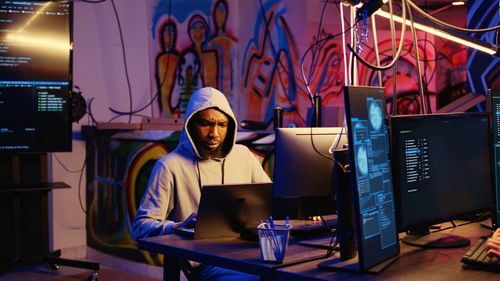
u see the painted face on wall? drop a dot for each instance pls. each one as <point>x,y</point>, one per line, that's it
<point>197,29</point>
<point>220,15</point>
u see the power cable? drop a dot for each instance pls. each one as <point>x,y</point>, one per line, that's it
<point>396,56</point>
<point>124,57</point>
<point>164,78</point>
<point>417,62</point>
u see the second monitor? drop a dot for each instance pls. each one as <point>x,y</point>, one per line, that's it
<point>442,168</point>
<point>303,171</point>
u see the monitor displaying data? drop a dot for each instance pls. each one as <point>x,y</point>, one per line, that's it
<point>495,121</point>
<point>35,76</point>
<point>374,208</point>
<point>442,167</point>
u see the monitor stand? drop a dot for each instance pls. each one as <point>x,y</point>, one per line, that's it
<point>422,237</point>
<point>352,265</point>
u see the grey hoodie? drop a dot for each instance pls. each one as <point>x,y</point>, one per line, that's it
<point>173,191</point>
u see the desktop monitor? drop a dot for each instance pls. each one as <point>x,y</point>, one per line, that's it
<point>495,155</point>
<point>303,171</point>
<point>35,76</point>
<point>373,207</point>
<point>442,171</point>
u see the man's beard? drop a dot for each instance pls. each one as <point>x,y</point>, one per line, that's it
<point>210,153</point>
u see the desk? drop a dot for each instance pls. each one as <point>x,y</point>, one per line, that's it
<point>232,253</point>
<point>413,264</point>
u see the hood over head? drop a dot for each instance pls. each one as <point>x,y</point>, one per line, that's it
<point>201,99</point>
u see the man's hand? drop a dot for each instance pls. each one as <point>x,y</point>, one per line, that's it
<point>493,245</point>
<point>189,222</point>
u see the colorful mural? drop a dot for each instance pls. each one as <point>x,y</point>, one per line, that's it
<point>118,167</point>
<point>483,71</point>
<point>192,49</point>
<point>250,51</point>
<point>271,65</point>
<point>260,67</point>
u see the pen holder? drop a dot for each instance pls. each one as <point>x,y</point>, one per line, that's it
<point>273,241</point>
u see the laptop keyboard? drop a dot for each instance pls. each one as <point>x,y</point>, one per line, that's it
<point>478,258</point>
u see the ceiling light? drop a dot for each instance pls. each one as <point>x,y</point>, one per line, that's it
<point>469,42</point>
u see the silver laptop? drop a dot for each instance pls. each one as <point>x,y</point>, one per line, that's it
<point>227,210</point>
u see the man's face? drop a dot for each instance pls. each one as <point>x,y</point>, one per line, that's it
<point>208,130</point>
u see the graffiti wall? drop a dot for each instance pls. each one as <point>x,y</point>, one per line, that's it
<point>269,53</point>
<point>250,50</point>
<point>192,46</point>
<point>483,71</point>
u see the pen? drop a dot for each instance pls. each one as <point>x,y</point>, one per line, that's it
<point>271,221</point>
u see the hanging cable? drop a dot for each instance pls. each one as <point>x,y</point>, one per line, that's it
<point>375,45</point>
<point>417,61</point>
<point>395,67</point>
<point>346,77</point>
<point>328,37</point>
<point>163,79</point>
<point>396,56</point>
<point>424,74</point>
<point>80,187</point>
<point>124,57</point>
<point>353,64</point>
<point>89,111</point>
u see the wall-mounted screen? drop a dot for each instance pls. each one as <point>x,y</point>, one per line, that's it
<point>35,76</point>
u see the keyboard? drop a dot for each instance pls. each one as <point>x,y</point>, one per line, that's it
<point>477,257</point>
<point>309,228</point>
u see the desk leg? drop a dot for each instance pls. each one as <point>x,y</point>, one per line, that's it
<point>171,268</point>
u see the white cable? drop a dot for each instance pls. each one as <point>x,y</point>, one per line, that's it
<point>395,67</point>
<point>417,62</point>
<point>398,53</point>
<point>354,69</point>
<point>377,55</point>
<point>346,74</point>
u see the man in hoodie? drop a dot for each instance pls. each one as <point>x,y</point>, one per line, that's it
<point>206,154</point>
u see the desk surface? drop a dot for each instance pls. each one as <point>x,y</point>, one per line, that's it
<point>413,264</point>
<point>232,253</point>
